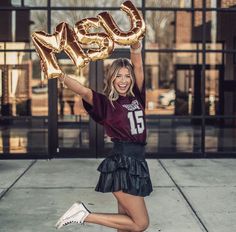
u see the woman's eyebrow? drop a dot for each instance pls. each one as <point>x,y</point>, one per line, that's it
<point>121,74</point>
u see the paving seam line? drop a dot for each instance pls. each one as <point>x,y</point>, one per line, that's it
<point>184,196</point>
<point>22,174</point>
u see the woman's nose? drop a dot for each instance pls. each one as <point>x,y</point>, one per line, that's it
<point>123,78</point>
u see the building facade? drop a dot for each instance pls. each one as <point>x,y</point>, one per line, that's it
<point>190,71</point>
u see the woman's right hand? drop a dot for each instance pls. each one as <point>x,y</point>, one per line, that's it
<point>42,67</point>
<point>61,77</point>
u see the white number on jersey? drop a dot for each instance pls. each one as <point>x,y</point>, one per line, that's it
<point>136,122</point>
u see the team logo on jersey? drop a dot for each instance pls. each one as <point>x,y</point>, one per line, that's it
<point>133,106</point>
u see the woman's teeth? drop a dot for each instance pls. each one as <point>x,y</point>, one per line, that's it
<point>122,86</point>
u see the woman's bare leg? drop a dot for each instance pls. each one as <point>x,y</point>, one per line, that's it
<point>137,220</point>
<point>121,210</point>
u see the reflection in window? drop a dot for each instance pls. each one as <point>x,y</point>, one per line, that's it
<point>39,22</point>
<point>35,2</point>
<point>74,138</point>
<point>20,136</point>
<point>212,92</point>
<point>173,135</point>
<point>220,135</point>
<point>29,2</point>
<point>72,17</point>
<point>174,83</point>
<point>70,106</point>
<point>0,83</point>
<point>169,3</point>
<point>160,93</point>
<point>24,90</point>
<point>92,3</point>
<point>221,4</point>
<point>160,29</point>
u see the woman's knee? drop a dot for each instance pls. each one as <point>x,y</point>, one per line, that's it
<point>141,226</point>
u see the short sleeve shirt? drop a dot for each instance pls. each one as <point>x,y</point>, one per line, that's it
<point>125,121</point>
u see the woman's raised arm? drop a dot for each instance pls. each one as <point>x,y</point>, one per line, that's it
<point>136,60</point>
<point>76,87</point>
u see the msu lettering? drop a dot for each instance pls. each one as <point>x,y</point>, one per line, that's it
<point>133,106</point>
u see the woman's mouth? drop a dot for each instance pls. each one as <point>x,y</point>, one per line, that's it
<point>122,86</point>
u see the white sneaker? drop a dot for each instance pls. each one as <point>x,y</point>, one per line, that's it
<point>75,214</point>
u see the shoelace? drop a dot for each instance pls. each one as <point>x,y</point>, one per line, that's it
<point>67,223</point>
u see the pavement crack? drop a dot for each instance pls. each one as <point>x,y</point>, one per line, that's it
<point>16,180</point>
<point>184,196</point>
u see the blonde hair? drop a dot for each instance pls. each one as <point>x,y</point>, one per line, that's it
<point>113,70</point>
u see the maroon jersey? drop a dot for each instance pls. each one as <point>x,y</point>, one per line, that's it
<point>123,122</point>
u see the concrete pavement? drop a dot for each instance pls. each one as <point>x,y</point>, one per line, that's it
<point>189,195</point>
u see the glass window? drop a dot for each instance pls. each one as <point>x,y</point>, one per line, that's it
<point>74,137</point>
<point>70,109</point>
<point>197,28</point>
<point>23,136</point>
<point>38,22</point>
<point>28,2</point>
<point>229,66</point>
<point>39,88</point>
<point>24,88</point>
<point>224,3</point>
<point>173,29</point>
<point>173,83</point>
<point>220,135</point>
<point>92,3</point>
<point>228,104</point>
<point>169,3</point>
<point>160,31</point>
<point>70,106</point>
<point>199,3</point>
<point>16,2</point>
<point>212,91</point>
<point>220,84</point>
<point>72,17</point>
<point>221,27</point>
<point>173,135</point>
<point>35,2</point>
<point>14,25</point>
<point>215,58</point>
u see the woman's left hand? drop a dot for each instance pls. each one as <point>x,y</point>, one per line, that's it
<point>136,45</point>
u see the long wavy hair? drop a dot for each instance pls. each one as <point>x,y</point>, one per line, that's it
<point>113,70</point>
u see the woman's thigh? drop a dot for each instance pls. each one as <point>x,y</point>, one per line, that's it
<point>121,209</point>
<point>134,206</point>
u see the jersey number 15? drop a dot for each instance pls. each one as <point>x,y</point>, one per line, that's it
<point>136,122</point>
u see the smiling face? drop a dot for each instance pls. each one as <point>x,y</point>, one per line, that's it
<point>122,81</point>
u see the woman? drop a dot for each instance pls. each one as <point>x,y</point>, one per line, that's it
<point>125,172</point>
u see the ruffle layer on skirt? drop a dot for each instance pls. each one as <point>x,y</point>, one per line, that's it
<point>126,173</point>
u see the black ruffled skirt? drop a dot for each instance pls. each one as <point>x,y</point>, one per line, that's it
<point>125,169</point>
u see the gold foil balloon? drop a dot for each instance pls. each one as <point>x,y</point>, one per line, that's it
<point>102,40</point>
<point>73,49</point>
<point>136,32</point>
<point>46,46</point>
<point>63,39</point>
<point>71,40</point>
